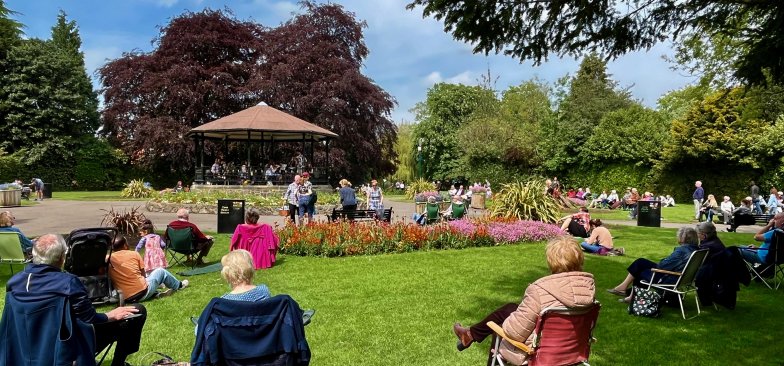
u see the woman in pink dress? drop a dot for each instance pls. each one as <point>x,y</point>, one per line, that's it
<point>259,239</point>
<point>153,245</point>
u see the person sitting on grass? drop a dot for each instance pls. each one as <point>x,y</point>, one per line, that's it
<point>7,225</point>
<point>641,268</point>
<point>238,271</point>
<point>577,224</point>
<point>600,242</point>
<point>566,286</point>
<point>126,272</point>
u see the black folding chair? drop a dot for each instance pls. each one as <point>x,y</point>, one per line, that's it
<point>773,268</point>
<point>180,246</point>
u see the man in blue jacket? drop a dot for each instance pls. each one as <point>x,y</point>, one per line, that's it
<point>699,197</point>
<point>44,279</point>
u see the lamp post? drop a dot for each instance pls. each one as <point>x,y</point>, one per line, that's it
<point>420,160</point>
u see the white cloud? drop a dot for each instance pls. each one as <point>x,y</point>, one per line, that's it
<point>464,77</point>
<point>433,78</point>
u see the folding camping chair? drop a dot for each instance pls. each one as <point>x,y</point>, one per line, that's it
<point>562,336</point>
<point>88,250</point>
<point>180,246</point>
<point>432,212</point>
<point>11,250</point>
<point>774,263</point>
<point>458,211</point>
<point>685,282</point>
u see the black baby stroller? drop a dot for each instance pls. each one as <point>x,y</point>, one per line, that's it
<point>88,250</point>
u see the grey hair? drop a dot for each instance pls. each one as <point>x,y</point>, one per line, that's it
<point>183,213</point>
<point>49,249</point>
<point>707,228</point>
<point>687,235</point>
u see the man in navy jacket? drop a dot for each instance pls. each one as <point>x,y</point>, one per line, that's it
<point>44,279</point>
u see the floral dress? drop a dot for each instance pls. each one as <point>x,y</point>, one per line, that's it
<point>154,257</point>
<point>374,203</point>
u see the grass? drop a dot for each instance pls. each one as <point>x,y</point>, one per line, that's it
<point>399,309</point>
<point>92,196</point>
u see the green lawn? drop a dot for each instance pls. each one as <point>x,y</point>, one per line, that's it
<point>92,196</point>
<point>399,309</point>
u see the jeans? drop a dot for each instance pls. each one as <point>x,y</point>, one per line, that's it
<point>303,203</point>
<point>757,207</point>
<point>156,278</point>
<point>750,256</point>
<point>593,248</point>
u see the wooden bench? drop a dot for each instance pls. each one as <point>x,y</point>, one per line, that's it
<point>742,220</point>
<point>360,215</point>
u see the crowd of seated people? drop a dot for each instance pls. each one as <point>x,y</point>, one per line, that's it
<point>271,173</point>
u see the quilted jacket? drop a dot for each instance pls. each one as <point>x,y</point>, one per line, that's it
<point>568,289</point>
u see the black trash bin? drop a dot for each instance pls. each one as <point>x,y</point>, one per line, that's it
<point>649,213</point>
<point>230,214</point>
<point>47,190</point>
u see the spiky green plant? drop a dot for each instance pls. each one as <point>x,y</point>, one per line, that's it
<point>418,186</point>
<point>136,189</point>
<point>128,222</point>
<point>526,201</point>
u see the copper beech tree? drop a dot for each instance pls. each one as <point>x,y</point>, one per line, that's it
<point>207,65</point>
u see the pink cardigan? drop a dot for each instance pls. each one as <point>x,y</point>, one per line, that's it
<point>260,240</point>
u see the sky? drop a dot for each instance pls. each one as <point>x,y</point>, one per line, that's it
<point>408,53</point>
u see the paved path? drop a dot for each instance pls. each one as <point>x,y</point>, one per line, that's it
<point>60,216</point>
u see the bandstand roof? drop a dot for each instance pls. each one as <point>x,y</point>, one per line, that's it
<point>261,123</point>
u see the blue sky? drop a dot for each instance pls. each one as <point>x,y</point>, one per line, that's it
<point>407,53</point>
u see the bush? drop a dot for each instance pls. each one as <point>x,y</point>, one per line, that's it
<point>526,201</point>
<point>128,222</point>
<point>616,176</point>
<point>137,189</point>
<point>344,238</point>
<point>419,186</point>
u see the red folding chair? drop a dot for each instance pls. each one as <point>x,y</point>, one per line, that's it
<point>562,336</point>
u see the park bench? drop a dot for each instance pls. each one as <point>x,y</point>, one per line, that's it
<point>360,215</point>
<point>742,220</point>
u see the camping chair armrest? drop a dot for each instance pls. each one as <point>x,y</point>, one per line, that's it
<point>500,332</point>
<point>666,272</point>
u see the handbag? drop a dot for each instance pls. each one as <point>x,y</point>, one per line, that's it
<point>645,302</point>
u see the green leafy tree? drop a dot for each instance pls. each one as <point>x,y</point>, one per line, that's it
<point>592,94</point>
<point>406,154</point>
<point>714,142</point>
<point>439,117</point>
<point>504,143</point>
<point>633,135</point>
<point>10,31</point>
<point>675,104</point>
<point>533,29</point>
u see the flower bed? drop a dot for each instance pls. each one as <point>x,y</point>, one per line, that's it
<point>206,202</point>
<point>345,238</point>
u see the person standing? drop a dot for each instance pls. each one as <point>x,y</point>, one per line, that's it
<point>304,191</point>
<point>291,198</point>
<point>38,185</point>
<point>755,198</point>
<point>348,198</point>
<point>698,196</point>
<point>375,197</point>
